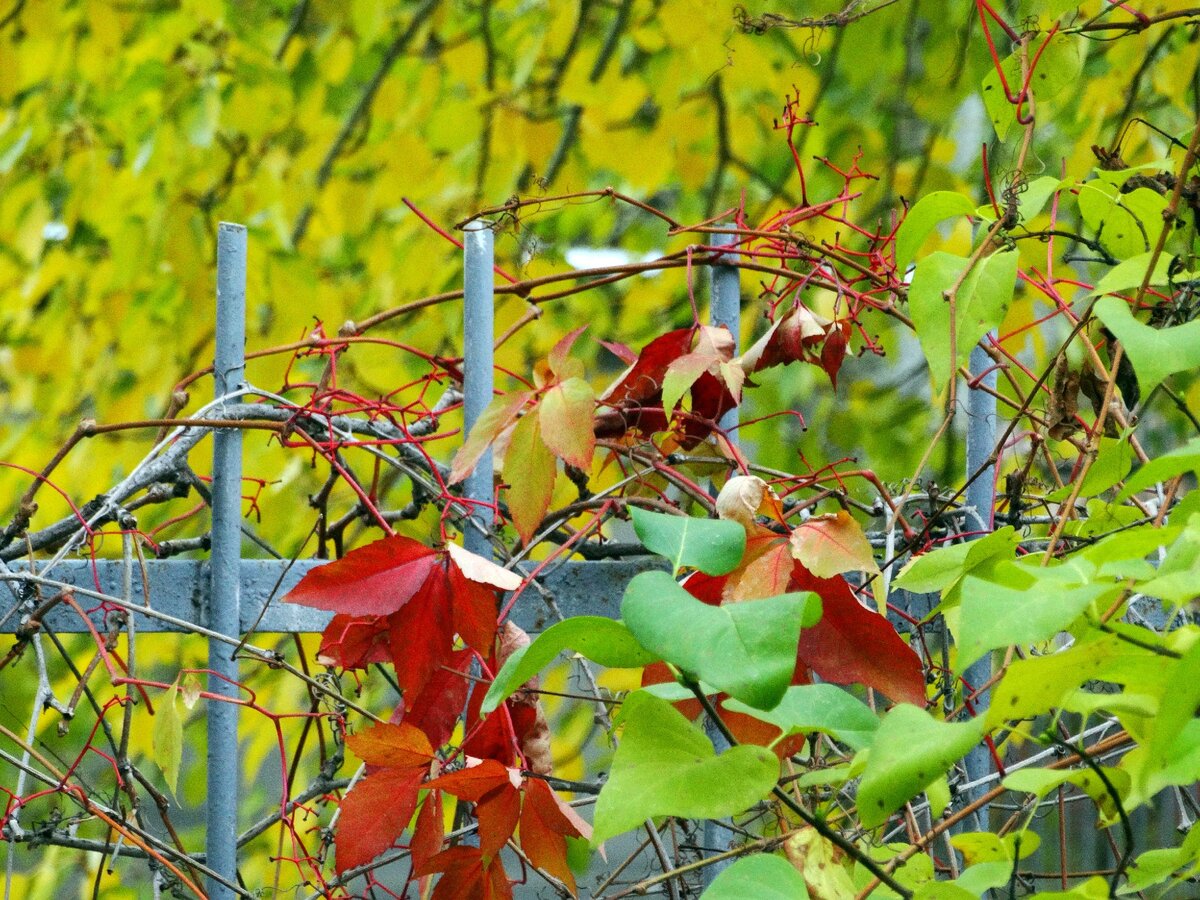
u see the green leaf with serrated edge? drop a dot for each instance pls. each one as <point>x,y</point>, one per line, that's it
<point>714,546</point>
<point>1129,274</point>
<point>665,766</point>
<point>818,707</point>
<point>746,649</point>
<point>1163,468</point>
<point>910,749</point>
<point>758,877</point>
<point>980,304</point>
<point>167,737</point>
<point>943,568</point>
<point>1156,353</point>
<point>598,638</point>
<point>924,216</point>
<point>996,615</point>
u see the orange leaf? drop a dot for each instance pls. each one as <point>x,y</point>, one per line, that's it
<point>394,746</point>
<point>543,830</point>
<point>473,782</point>
<point>466,876</point>
<point>429,831</point>
<point>497,813</point>
<point>530,470</point>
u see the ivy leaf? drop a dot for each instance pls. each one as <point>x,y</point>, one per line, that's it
<point>832,544</point>
<point>600,639</point>
<point>714,546</point>
<point>923,217</point>
<point>664,766</point>
<point>762,877</point>
<point>910,750</point>
<point>167,738</point>
<point>746,649</point>
<point>1156,353</point>
<point>530,471</point>
<point>567,410</point>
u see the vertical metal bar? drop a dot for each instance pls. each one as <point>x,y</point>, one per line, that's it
<point>478,337</point>
<point>981,497</point>
<point>725,309</point>
<point>224,596</point>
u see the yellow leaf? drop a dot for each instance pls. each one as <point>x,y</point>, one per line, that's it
<point>168,737</point>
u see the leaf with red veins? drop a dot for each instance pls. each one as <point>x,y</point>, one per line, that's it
<point>641,385</point>
<point>497,416</point>
<point>543,832</point>
<point>530,471</point>
<point>791,339</point>
<point>374,814</point>
<point>421,635</point>
<point>852,644</point>
<point>354,642</point>
<point>831,544</point>
<point>567,410</point>
<point>766,570</point>
<point>436,709</point>
<point>373,580</point>
<point>561,363</point>
<point>467,876</point>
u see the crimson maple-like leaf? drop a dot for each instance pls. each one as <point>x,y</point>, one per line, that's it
<point>544,829</point>
<point>435,711</point>
<point>466,875</point>
<point>373,580</point>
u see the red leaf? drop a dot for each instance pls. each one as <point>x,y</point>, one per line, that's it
<point>623,352</point>
<point>543,831</point>
<point>422,634</point>
<point>429,831</point>
<point>466,876</point>
<point>791,339</point>
<point>852,644</point>
<point>489,738</point>
<point>373,580</point>
<point>436,710</point>
<point>833,351</point>
<point>559,360</point>
<point>374,814</point>
<point>354,642</point>
<point>497,813</point>
<point>473,782</point>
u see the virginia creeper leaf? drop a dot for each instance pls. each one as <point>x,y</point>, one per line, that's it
<point>832,544</point>
<point>496,416</point>
<point>567,410</point>
<point>925,214</point>
<point>167,737</point>
<point>373,580</point>
<point>530,471</point>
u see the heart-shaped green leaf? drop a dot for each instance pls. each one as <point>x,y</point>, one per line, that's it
<point>746,649</point>
<point>825,708</point>
<point>1156,353</point>
<point>761,877</point>
<point>665,766</point>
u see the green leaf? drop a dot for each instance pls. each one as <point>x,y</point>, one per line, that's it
<point>1129,274</point>
<point>746,649</point>
<point>818,707</point>
<point>980,305</point>
<point>910,749</point>
<point>1126,224</point>
<point>1180,460</point>
<point>1039,684</point>
<point>942,569</point>
<point>600,639</point>
<point>924,216</point>
<point>167,737</point>
<point>758,877</point>
<point>664,766</point>
<point>1110,466</point>
<point>995,615</point>
<point>1055,73</point>
<point>1156,353</point>
<point>714,546</point>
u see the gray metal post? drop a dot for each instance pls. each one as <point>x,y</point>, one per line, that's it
<point>725,309</point>
<point>981,497</point>
<point>224,769</point>
<point>478,337</point>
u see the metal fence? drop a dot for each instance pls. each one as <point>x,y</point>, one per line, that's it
<point>231,596</point>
